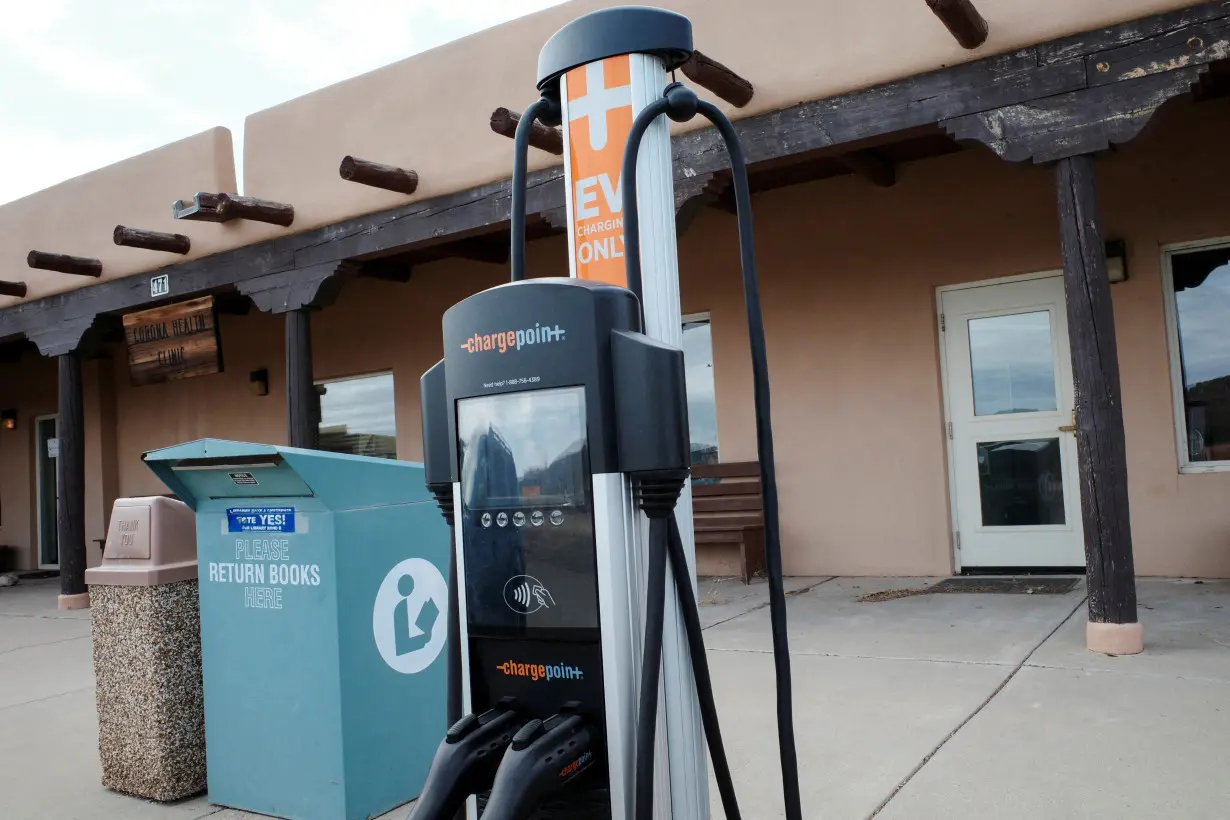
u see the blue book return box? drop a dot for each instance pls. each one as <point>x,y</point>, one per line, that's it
<point>323,588</point>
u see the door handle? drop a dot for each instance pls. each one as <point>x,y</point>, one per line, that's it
<point>1067,428</point>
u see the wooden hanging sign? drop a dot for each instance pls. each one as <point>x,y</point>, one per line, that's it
<point>173,342</point>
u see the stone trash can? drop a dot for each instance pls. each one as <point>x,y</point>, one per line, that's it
<point>147,651</point>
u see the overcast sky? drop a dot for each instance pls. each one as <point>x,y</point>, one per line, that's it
<point>1202,328</point>
<point>85,83</point>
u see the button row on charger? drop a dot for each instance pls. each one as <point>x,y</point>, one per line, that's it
<point>519,518</point>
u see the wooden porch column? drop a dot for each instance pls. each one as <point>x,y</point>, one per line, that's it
<point>302,402</point>
<point>1113,627</point>
<point>70,473</point>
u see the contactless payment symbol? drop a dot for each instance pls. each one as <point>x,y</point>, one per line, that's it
<point>525,595</point>
<point>410,616</point>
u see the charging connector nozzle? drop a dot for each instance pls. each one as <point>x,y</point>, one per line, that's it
<point>543,758</point>
<point>467,760</point>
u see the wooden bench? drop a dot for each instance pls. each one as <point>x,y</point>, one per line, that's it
<point>728,509</point>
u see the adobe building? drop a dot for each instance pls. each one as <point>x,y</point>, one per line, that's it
<point>949,240</point>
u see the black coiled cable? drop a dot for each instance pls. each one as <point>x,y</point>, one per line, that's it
<point>547,110</point>
<point>681,104</point>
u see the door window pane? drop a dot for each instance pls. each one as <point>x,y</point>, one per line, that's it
<point>1202,306</point>
<point>48,496</point>
<point>1012,363</point>
<point>702,404</point>
<point>358,416</point>
<point>1021,483</point>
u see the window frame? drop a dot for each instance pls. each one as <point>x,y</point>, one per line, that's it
<point>1175,353</point>
<point>706,317</point>
<point>355,377</point>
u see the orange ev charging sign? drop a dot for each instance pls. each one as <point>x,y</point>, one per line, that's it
<point>598,110</point>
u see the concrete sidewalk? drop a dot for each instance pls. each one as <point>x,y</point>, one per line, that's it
<point>931,706</point>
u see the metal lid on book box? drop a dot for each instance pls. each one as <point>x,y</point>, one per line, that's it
<point>151,541</point>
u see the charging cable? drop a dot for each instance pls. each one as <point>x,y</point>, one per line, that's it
<point>547,110</point>
<point>681,104</point>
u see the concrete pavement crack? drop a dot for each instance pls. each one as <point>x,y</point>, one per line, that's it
<point>927,758</point>
<point>804,653</point>
<point>764,604</point>
<point>45,643</point>
<point>1138,675</point>
<point>41,617</point>
<point>49,697</point>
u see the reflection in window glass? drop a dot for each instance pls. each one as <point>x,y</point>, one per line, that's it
<point>358,416</point>
<point>1012,363</point>
<point>523,449</point>
<point>1021,483</point>
<point>702,403</point>
<point>1202,305</point>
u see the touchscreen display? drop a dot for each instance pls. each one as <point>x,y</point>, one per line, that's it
<point>521,450</point>
<point>527,529</point>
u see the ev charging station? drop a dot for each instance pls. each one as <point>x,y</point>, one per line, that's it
<point>608,67</point>
<point>548,380</point>
<point>556,443</point>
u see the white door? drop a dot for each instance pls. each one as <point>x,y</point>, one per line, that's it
<point>1012,448</point>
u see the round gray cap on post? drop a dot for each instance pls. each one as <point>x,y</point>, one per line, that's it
<point>614,31</point>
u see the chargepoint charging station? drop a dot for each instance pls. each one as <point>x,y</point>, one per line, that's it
<point>556,443</point>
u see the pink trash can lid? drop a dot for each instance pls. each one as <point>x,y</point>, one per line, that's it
<point>150,541</point>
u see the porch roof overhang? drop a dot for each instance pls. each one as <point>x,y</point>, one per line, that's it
<point>1072,96</point>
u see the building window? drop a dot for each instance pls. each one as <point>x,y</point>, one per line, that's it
<point>702,404</point>
<point>1198,310</point>
<point>357,416</point>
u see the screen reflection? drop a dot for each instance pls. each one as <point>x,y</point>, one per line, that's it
<point>528,535</point>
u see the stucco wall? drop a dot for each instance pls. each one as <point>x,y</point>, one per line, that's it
<point>849,273</point>
<point>219,406</point>
<point>29,387</point>
<point>374,326</point>
<point>1167,189</point>
<point>77,217</point>
<point>430,113</point>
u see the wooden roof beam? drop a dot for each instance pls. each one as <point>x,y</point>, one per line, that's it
<point>543,137</point>
<point>206,207</point>
<point>962,21</point>
<point>61,263</point>
<point>378,175</point>
<point>490,249</point>
<point>709,73</point>
<point>391,269</point>
<point>17,289</point>
<point>256,210</point>
<point>232,303</point>
<point>151,240</point>
<point>870,166</point>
